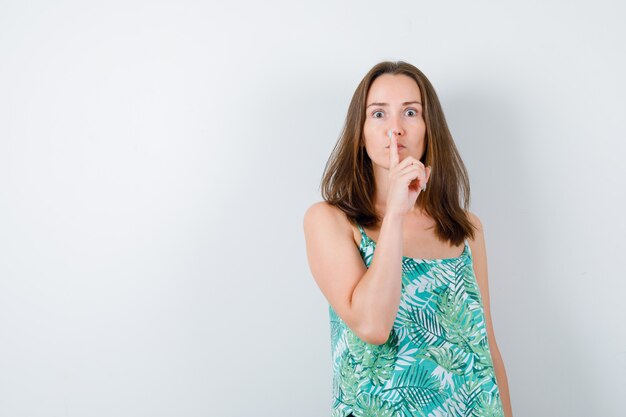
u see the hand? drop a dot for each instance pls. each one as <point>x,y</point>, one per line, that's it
<point>406,180</point>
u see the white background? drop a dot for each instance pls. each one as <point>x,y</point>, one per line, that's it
<point>156,159</point>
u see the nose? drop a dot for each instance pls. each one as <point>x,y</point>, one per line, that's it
<point>396,132</point>
<point>396,127</point>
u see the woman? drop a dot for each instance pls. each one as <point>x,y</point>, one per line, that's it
<point>402,265</point>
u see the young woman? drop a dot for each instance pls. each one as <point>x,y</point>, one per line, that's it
<point>402,262</point>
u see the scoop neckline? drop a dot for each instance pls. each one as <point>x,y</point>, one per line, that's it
<point>422,260</point>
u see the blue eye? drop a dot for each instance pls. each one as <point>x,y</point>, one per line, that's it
<point>374,114</point>
<point>411,110</point>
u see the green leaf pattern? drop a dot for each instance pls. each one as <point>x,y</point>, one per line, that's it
<point>436,361</point>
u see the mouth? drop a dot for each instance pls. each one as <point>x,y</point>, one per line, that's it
<point>399,147</point>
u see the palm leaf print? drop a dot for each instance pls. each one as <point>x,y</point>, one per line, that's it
<point>421,326</point>
<point>407,355</point>
<point>462,404</point>
<point>483,365</point>
<point>446,275</point>
<point>453,316</point>
<point>449,358</point>
<point>337,412</point>
<point>348,382</point>
<point>487,407</point>
<point>436,361</point>
<point>417,389</point>
<point>415,295</point>
<point>458,321</point>
<point>367,253</point>
<point>412,269</point>
<point>335,333</point>
<point>376,361</point>
<point>370,406</point>
<point>471,288</point>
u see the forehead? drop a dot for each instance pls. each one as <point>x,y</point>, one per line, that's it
<point>398,87</point>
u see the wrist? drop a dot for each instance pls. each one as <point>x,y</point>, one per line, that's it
<point>391,217</point>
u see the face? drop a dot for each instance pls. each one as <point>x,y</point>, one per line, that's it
<point>394,102</point>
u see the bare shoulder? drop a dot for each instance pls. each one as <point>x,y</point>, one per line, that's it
<point>478,225</point>
<point>477,244</point>
<point>322,215</point>
<point>320,209</point>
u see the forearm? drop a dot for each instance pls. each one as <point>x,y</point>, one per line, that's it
<point>376,298</point>
<point>501,378</point>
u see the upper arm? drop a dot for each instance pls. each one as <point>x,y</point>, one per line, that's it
<point>479,260</point>
<point>334,260</point>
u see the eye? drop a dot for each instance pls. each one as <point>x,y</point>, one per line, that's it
<point>375,113</point>
<point>412,111</point>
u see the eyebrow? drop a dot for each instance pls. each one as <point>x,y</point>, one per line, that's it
<point>386,104</point>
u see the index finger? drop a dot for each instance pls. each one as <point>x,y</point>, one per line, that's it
<point>393,150</point>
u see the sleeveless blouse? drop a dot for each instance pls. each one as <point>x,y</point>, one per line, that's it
<point>436,361</point>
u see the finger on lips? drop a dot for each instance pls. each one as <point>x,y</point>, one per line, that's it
<point>394,159</point>
<point>393,150</point>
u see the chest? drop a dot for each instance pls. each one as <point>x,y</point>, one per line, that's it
<point>418,241</point>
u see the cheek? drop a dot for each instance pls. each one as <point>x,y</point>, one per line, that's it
<point>375,143</point>
<point>369,134</point>
<point>367,128</point>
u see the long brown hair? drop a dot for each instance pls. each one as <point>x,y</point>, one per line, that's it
<point>348,179</point>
